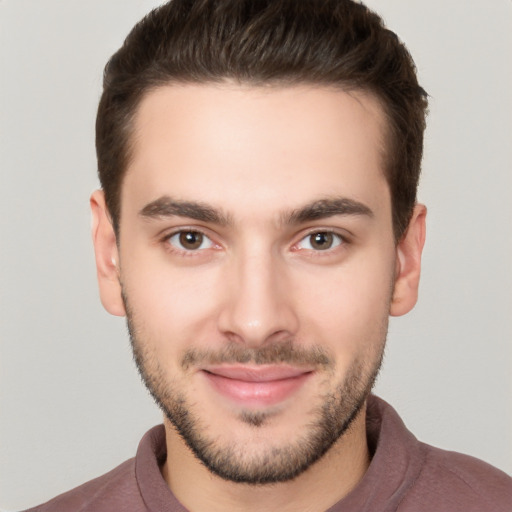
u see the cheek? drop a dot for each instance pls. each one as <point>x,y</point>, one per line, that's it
<point>171,306</point>
<point>348,307</point>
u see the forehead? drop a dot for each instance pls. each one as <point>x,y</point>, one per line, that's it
<point>227,144</point>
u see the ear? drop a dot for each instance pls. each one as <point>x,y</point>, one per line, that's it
<point>107,257</point>
<point>408,264</point>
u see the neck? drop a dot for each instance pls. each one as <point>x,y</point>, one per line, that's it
<point>318,488</point>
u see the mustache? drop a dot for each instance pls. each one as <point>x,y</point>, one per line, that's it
<point>277,353</point>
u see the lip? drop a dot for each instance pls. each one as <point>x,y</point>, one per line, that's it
<point>260,386</point>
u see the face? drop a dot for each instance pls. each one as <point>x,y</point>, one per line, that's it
<point>257,267</point>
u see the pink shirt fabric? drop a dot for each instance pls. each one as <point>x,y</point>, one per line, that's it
<point>405,475</point>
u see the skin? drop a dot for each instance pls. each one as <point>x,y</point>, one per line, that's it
<point>255,160</point>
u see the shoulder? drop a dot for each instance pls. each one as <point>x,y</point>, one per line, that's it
<point>101,494</point>
<point>124,489</point>
<point>412,476</point>
<point>457,482</point>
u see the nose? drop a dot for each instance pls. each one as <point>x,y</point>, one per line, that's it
<point>258,306</point>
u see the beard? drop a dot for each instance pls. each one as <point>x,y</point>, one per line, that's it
<point>331,417</point>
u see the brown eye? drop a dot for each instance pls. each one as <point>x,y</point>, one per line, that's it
<point>190,241</point>
<point>320,241</point>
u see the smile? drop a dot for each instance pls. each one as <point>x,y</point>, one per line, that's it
<point>256,386</point>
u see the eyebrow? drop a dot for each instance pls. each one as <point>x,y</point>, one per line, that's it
<point>165,206</point>
<point>325,208</point>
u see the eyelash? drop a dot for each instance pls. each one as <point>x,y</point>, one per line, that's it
<point>336,238</point>
<point>183,251</point>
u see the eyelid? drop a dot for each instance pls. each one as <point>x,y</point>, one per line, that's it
<point>343,237</point>
<point>167,235</point>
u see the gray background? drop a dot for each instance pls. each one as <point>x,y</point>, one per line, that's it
<point>71,404</point>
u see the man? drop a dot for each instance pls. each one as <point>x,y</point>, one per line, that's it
<point>257,225</point>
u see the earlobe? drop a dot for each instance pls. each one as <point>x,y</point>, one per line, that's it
<point>408,266</point>
<point>106,254</point>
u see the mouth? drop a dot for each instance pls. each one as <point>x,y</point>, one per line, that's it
<point>256,386</point>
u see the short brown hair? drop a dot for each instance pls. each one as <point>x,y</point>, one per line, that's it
<point>327,42</point>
